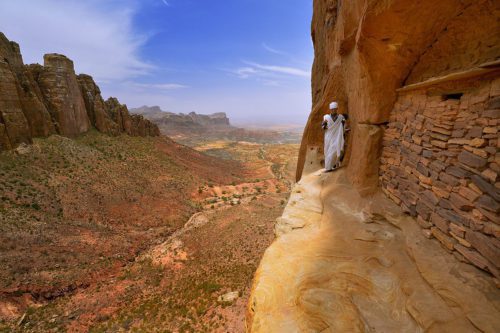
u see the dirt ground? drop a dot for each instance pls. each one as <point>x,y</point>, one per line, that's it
<point>104,248</point>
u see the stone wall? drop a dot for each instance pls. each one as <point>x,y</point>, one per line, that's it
<point>440,162</point>
<point>37,101</point>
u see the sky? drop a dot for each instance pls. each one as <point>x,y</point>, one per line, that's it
<point>249,58</point>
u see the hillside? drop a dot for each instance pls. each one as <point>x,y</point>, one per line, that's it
<point>76,211</point>
<point>98,231</point>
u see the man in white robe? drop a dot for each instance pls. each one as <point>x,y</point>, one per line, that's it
<point>334,126</point>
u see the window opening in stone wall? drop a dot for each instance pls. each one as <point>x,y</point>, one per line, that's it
<point>454,96</point>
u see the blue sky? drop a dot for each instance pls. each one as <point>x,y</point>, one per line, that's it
<point>248,58</point>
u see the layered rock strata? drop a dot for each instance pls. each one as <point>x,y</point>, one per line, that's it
<point>344,263</point>
<point>424,106</point>
<point>37,101</point>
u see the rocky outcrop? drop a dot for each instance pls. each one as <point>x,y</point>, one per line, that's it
<point>37,101</point>
<point>97,110</point>
<point>60,89</point>
<point>14,127</point>
<point>120,115</point>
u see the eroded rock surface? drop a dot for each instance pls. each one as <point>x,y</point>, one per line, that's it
<point>365,50</point>
<point>96,108</point>
<point>60,89</point>
<point>38,101</point>
<point>354,264</point>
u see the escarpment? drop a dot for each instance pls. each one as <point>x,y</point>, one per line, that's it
<point>420,82</point>
<point>38,101</point>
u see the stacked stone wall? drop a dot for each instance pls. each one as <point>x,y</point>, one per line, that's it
<point>440,162</point>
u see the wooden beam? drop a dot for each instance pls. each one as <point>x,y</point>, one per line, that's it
<point>483,69</point>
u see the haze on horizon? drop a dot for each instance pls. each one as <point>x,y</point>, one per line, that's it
<point>248,58</point>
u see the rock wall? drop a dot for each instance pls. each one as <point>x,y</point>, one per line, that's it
<point>440,163</point>
<point>420,83</point>
<point>37,101</point>
<point>366,49</point>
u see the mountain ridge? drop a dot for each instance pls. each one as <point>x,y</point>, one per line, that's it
<point>39,101</point>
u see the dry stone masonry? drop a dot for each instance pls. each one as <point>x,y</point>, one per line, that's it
<point>440,163</point>
<point>38,101</point>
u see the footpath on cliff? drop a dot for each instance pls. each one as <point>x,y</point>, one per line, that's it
<point>343,263</point>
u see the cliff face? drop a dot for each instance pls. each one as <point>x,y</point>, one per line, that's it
<point>420,82</point>
<point>37,101</point>
<point>365,50</point>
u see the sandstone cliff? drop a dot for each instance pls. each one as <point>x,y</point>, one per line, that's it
<point>37,101</point>
<point>365,50</point>
<point>420,82</point>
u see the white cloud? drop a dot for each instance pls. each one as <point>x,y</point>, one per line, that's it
<point>159,86</point>
<point>273,50</point>
<point>97,35</point>
<point>281,69</point>
<point>269,74</point>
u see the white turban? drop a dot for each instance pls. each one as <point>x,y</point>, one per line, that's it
<point>333,105</point>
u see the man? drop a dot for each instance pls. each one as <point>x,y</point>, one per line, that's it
<point>334,126</point>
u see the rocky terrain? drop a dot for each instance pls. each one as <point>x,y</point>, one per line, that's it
<point>408,230</point>
<point>103,233</point>
<point>38,101</point>
<point>192,129</point>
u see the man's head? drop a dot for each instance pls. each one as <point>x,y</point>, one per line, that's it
<point>334,107</point>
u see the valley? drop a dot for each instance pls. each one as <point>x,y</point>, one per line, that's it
<point>96,236</point>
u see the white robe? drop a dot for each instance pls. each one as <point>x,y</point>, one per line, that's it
<point>334,140</point>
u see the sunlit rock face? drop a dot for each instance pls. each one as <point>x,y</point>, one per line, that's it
<point>60,89</point>
<point>96,108</point>
<point>365,50</point>
<point>344,263</point>
<point>38,101</point>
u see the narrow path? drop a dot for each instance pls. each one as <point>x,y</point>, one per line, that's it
<point>342,263</point>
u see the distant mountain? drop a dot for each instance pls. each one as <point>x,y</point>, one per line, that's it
<point>175,123</point>
<point>193,127</point>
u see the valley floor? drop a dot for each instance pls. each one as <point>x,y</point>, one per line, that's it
<point>103,234</point>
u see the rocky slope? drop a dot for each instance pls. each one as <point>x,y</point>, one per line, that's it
<point>75,212</point>
<point>37,101</point>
